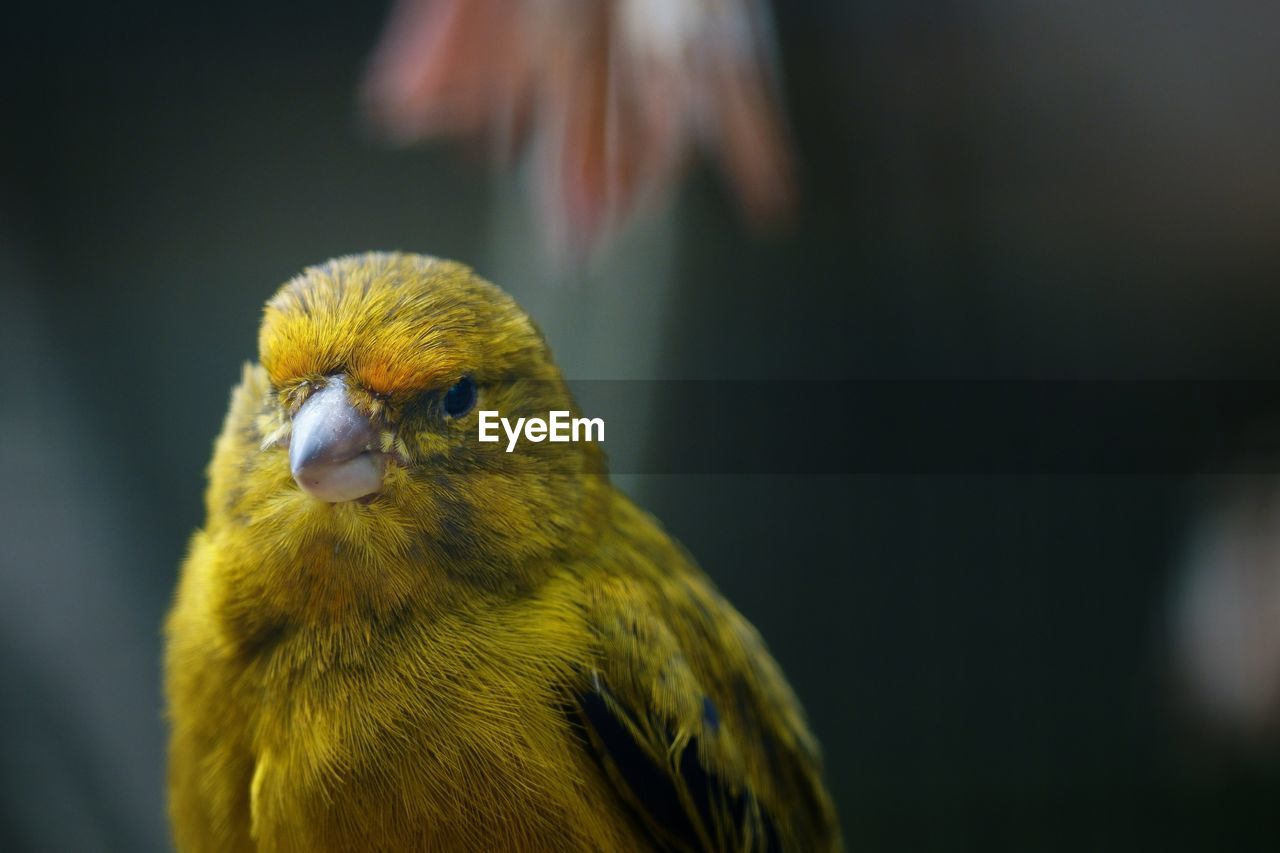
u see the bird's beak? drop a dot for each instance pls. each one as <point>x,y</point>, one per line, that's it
<point>332,451</point>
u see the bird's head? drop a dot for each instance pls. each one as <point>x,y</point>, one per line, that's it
<point>368,436</point>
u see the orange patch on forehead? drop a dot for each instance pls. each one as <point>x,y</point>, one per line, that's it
<point>395,369</point>
<point>395,324</point>
<point>293,348</point>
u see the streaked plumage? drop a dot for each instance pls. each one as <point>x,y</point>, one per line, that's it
<point>495,651</point>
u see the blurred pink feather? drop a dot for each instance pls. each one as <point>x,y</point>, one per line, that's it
<point>608,98</point>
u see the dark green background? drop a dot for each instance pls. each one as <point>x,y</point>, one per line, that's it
<point>989,190</point>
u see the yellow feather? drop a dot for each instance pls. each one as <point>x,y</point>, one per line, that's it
<point>418,671</point>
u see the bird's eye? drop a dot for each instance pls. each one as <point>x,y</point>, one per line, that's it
<point>459,399</point>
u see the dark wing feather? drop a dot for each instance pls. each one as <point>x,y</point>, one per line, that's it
<point>690,719</point>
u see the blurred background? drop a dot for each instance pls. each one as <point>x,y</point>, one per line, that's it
<point>983,190</point>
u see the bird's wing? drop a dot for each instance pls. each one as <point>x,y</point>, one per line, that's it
<point>692,721</point>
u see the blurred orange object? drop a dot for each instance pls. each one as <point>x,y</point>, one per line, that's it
<point>607,98</point>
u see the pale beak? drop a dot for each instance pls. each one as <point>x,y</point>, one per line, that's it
<point>332,451</point>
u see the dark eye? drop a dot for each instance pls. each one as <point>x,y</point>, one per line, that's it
<point>459,399</point>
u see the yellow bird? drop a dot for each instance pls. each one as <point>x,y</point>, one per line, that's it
<point>392,636</point>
